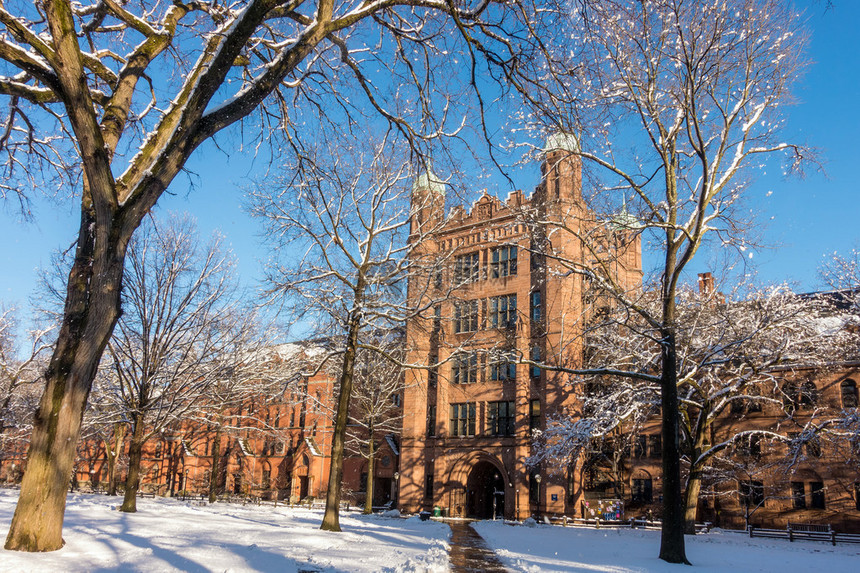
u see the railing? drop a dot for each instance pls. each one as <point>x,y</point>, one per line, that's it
<point>632,523</point>
<point>805,532</point>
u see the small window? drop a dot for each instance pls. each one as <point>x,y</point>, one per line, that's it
<point>467,268</point>
<point>857,495</point>
<point>503,311</point>
<point>813,447</point>
<point>504,262</point>
<point>534,486</point>
<point>464,367</point>
<point>534,415</point>
<point>502,366</point>
<point>502,418</point>
<point>463,419</point>
<point>266,482</point>
<point>816,491</point>
<point>428,484</point>
<point>808,396</point>
<point>640,449</point>
<point>466,316</point>
<point>798,495</point>
<point>848,389</point>
<point>396,400</point>
<point>643,491</point>
<point>655,445</point>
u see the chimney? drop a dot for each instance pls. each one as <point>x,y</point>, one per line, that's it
<point>706,284</point>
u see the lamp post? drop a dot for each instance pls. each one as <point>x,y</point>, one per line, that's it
<point>537,479</point>
<point>396,489</point>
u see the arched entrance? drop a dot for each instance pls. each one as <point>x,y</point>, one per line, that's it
<point>485,492</point>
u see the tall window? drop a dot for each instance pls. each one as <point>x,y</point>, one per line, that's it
<point>504,262</point>
<point>798,495</point>
<point>502,366</point>
<point>808,395</point>
<point>816,491</point>
<point>464,367</point>
<point>463,419</point>
<point>848,389</point>
<point>428,484</point>
<point>534,371</point>
<point>266,481</point>
<point>857,495</point>
<point>467,268</point>
<point>466,316</point>
<point>503,311</point>
<point>534,415</point>
<point>534,486</point>
<point>501,418</point>
<point>640,448</point>
<point>431,420</point>
<point>537,306</point>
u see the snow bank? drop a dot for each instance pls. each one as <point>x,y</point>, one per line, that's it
<point>171,535</point>
<point>552,548</point>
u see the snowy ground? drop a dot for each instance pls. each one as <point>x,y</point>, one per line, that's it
<point>169,535</point>
<point>551,548</point>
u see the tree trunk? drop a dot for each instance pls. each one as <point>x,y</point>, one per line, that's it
<point>113,456</point>
<point>132,480</point>
<point>691,501</point>
<point>91,310</point>
<point>672,548</point>
<point>368,503</point>
<point>331,519</point>
<point>213,474</point>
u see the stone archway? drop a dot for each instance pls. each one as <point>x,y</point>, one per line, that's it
<point>485,491</point>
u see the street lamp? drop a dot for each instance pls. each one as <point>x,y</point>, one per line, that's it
<point>397,489</point>
<point>537,479</point>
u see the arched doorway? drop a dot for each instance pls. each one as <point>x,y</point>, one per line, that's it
<point>485,492</point>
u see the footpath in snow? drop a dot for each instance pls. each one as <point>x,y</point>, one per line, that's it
<point>171,535</point>
<point>545,548</point>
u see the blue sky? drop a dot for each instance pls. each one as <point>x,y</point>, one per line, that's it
<point>803,219</point>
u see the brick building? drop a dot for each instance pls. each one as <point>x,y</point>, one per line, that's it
<point>468,420</point>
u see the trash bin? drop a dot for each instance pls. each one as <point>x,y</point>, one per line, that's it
<point>444,512</point>
<point>424,515</point>
<point>437,511</point>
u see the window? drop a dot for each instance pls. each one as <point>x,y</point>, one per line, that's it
<point>534,486</point>
<point>467,268</point>
<point>798,495</point>
<point>501,416</point>
<point>503,311</point>
<point>655,445</point>
<point>267,479</point>
<point>750,445</point>
<point>643,491</point>
<point>751,493</point>
<point>464,368</point>
<point>534,371</point>
<point>640,449</point>
<point>431,420</point>
<point>857,495</point>
<point>396,400</point>
<point>466,316</point>
<point>428,484</point>
<point>463,419</point>
<point>537,306</point>
<point>816,490</point>
<point>502,366</point>
<point>848,389</point>
<point>362,483</point>
<point>743,405</point>
<point>534,415</point>
<point>504,262</point>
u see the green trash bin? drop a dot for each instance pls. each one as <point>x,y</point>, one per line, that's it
<point>437,511</point>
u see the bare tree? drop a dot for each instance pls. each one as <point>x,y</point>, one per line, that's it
<point>130,90</point>
<point>179,316</point>
<point>20,374</point>
<point>350,219</point>
<point>378,387</point>
<point>672,102</point>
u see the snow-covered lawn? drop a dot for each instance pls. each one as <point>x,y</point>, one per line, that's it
<point>170,535</point>
<point>551,548</point>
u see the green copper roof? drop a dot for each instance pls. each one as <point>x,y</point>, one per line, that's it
<point>562,141</point>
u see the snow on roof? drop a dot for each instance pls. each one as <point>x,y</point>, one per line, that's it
<point>312,446</point>
<point>392,444</point>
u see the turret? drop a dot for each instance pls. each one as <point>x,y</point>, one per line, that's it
<point>428,203</point>
<point>562,168</point>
